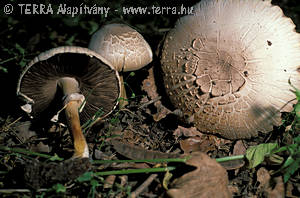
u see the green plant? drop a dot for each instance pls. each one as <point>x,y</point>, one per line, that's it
<point>18,53</point>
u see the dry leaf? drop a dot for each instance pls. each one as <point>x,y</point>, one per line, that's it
<point>40,148</point>
<point>109,181</point>
<point>290,189</point>
<point>238,149</point>
<point>149,85</point>
<point>23,131</point>
<point>194,144</point>
<point>150,88</point>
<point>208,180</point>
<point>265,188</point>
<point>263,177</point>
<point>136,152</point>
<point>187,132</point>
<point>278,191</point>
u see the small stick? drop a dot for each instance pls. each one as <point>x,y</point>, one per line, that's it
<point>143,186</point>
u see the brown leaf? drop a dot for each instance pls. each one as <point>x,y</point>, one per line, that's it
<point>208,180</point>
<point>109,181</point>
<point>23,131</point>
<point>265,187</point>
<point>196,144</point>
<point>263,177</point>
<point>290,189</point>
<point>136,152</point>
<point>278,191</point>
<point>187,132</point>
<point>40,148</point>
<point>149,85</point>
<point>233,165</point>
<point>238,149</point>
<point>150,88</point>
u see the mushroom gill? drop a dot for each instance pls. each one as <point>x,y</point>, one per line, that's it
<point>71,78</point>
<point>227,66</point>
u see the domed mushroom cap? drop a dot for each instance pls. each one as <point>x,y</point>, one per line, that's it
<point>98,81</point>
<point>123,46</point>
<point>227,67</point>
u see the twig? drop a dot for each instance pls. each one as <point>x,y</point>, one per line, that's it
<point>9,125</point>
<point>150,102</point>
<point>144,185</point>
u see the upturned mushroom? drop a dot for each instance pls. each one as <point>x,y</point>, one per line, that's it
<point>76,78</point>
<point>227,66</point>
<point>123,46</point>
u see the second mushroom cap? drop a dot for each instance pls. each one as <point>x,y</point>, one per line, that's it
<point>123,46</point>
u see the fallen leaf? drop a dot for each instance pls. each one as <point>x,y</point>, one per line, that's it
<point>238,149</point>
<point>233,189</point>
<point>290,189</point>
<point>208,180</point>
<point>23,131</point>
<point>40,148</point>
<point>109,181</point>
<point>278,190</point>
<point>136,152</point>
<point>194,144</point>
<point>149,85</point>
<point>263,177</point>
<point>187,132</point>
<point>150,88</point>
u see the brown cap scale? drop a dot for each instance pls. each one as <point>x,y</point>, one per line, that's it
<point>82,77</point>
<point>227,66</point>
<point>123,46</point>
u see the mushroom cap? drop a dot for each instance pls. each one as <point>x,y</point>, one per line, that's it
<point>123,46</point>
<point>98,81</point>
<point>227,66</point>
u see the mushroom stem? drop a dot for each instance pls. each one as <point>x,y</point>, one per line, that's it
<point>123,102</point>
<point>68,85</point>
<point>80,145</point>
<point>73,101</point>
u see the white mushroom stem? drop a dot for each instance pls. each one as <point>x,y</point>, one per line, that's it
<point>124,101</point>
<point>72,102</point>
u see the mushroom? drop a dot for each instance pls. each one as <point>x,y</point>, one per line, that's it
<point>227,66</point>
<point>123,46</point>
<point>72,77</point>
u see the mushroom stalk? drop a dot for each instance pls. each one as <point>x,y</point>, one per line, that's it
<point>72,102</point>
<point>123,102</point>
